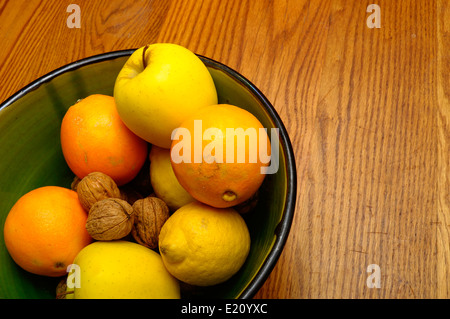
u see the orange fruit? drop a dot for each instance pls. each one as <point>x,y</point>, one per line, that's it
<point>45,230</point>
<point>94,139</point>
<point>215,155</point>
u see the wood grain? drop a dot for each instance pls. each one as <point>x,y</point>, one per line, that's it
<point>367,111</point>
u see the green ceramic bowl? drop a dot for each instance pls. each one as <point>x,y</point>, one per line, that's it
<point>31,157</point>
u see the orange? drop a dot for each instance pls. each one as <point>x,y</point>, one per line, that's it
<point>45,230</point>
<point>94,139</point>
<point>215,155</point>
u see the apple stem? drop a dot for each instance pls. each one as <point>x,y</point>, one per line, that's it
<point>143,56</point>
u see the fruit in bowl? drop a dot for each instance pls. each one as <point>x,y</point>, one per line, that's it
<point>225,165</point>
<point>158,87</point>
<point>94,139</point>
<point>120,269</point>
<point>45,230</point>
<point>267,225</point>
<point>202,245</point>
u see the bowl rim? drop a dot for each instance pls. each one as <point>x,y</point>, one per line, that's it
<point>283,228</point>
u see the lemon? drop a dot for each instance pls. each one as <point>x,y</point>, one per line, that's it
<point>163,180</point>
<point>203,246</point>
<point>120,270</point>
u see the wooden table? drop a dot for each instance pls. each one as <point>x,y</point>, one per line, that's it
<point>365,99</point>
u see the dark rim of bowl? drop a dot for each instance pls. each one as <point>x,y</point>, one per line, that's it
<point>283,227</point>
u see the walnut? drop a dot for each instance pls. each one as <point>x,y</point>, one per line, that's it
<point>94,187</point>
<point>61,289</point>
<point>74,183</point>
<point>110,219</point>
<point>150,215</point>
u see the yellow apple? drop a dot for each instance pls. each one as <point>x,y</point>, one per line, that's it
<point>120,270</point>
<point>158,86</point>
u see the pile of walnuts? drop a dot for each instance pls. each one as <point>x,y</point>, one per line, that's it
<point>115,213</point>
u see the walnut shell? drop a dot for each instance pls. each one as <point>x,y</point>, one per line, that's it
<point>95,187</point>
<point>61,289</point>
<point>74,183</point>
<point>110,219</point>
<point>150,215</point>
